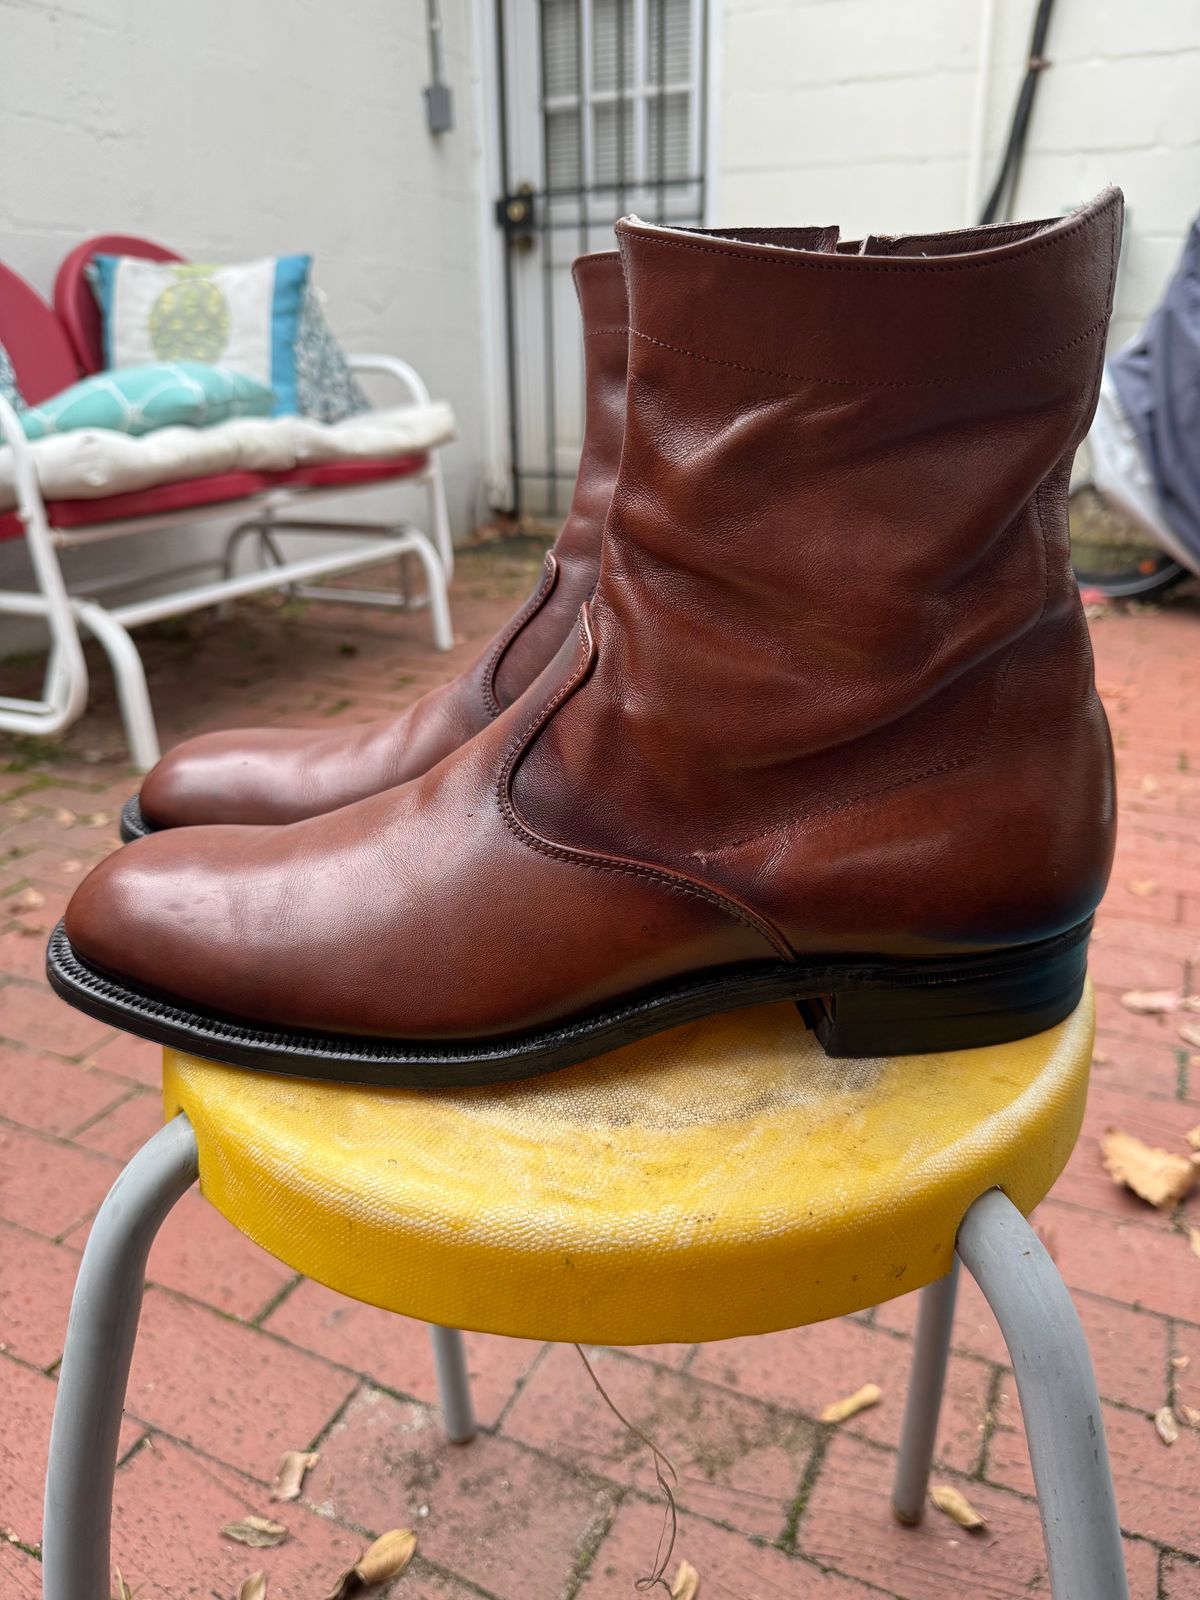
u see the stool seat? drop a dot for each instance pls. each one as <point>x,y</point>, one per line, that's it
<point>725,1178</point>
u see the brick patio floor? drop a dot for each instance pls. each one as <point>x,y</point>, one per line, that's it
<point>238,1359</point>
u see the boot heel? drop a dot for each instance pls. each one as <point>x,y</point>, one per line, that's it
<point>953,1006</point>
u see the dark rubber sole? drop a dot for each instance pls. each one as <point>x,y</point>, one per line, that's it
<point>133,824</point>
<point>856,1007</point>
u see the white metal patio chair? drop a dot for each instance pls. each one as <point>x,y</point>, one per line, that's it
<point>265,505</point>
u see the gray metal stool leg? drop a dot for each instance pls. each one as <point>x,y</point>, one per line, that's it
<point>454,1384</point>
<point>95,1364</point>
<point>1058,1399</point>
<point>924,1403</point>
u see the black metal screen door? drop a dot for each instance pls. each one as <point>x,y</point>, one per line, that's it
<point>603,112</point>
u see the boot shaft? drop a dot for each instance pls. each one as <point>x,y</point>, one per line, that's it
<point>604,313</point>
<point>571,574</point>
<point>836,570</point>
<point>831,463</point>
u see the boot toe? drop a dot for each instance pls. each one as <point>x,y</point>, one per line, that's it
<point>232,777</point>
<point>117,918</point>
<point>156,915</point>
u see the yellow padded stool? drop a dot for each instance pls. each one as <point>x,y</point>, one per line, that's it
<point>724,1179</point>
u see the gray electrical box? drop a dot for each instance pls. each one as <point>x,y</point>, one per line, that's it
<point>439,107</point>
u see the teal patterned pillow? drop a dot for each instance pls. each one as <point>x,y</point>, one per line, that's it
<point>8,381</point>
<point>159,394</point>
<point>326,387</point>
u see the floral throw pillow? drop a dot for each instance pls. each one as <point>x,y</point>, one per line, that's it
<point>326,387</point>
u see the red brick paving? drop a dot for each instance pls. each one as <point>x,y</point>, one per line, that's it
<point>238,1360</point>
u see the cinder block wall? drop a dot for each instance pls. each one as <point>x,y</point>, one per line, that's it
<point>230,130</point>
<point>863,111</point>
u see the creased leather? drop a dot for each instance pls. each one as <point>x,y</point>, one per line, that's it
<point>266,775</point>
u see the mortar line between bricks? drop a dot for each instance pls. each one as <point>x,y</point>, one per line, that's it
<point>978,1473</point>
<point>689,1359</point>
<point>440,1569</point>
<point>339,1412</point>
<point>276,1300</point>
<point>143,1441</point>
<point>808,1482</point>
<point>19,1361</point>
<point>590,1548</point>
<point>33,1550</point>
<point>133,1091</point>
<point>519,1386</point>
<point>61,1141</point>
<point>80,1057</point>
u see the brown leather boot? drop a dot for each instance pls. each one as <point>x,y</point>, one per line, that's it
<point>827,731</point>
<point>264,775</point>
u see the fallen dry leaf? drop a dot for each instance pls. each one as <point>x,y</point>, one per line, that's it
<point>1194,1240</point>
<point>1152,1002</point>
<point>387,1557</point>
<point>65,818</point>
<point>254,1588</point>
<point>1165,1425</point>
<point>869,1395</point>
<point>379,1563</point>
<point>957,1507</point>
<point>1188,1415</point>
<point>260,1533</point>
<point>96,819</point>
<point>1100,1058</point>
<point>1193,1137</point>
<point>1155,1175</point>
<point>1190,1034</point>
<point>685,1585</point>
<point>29,899</point>
<point>289,1475</point>
<point>1143,887</point>
<point>1191,1002</point>
<point>1151,785</point>
<point>1181,1363</point>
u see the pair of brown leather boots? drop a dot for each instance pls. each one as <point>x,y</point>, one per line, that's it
<point>803,706</point>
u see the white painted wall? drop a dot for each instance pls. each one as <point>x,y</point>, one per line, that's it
<point>861,112</point>
<point>230,130</point>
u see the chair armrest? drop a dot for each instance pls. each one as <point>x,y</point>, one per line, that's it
<point>394,368</point>
<point>25,479</point>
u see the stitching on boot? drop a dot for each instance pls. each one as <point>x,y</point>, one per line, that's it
<point>526,614</point>
<point>675,883</point>
<point>876,383</point>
